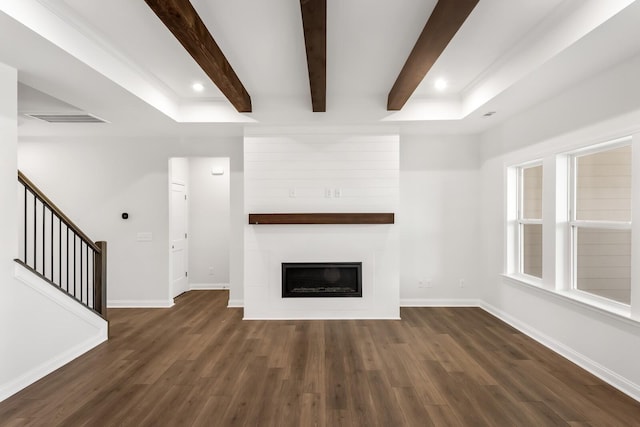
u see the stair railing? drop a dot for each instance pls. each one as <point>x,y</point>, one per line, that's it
<point>55,249</point>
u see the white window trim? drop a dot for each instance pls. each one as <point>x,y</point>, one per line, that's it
<point>592,302</point>
<point>575,224</point>
<point>556,282</point>
<point>518,268</point>
<point>609,225</point>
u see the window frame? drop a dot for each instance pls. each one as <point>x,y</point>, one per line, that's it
<point>520,221</point>
<point>576,224</point>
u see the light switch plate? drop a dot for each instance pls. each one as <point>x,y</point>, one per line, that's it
<point>144,236</point>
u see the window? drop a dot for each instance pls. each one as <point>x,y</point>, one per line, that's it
<point>530,220</point>
<point>600,221</point>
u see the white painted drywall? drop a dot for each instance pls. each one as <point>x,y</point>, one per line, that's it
<point>209,221</point>
<point>608,95</point>
<point>179,170</point>
<point>96,179</point>
<point>37,335</point>
<point>599,109</point>
<point>440,223</point>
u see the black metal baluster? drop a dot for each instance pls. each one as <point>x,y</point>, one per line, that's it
<point>52,278</point>
<point>67,258</point>
<point>25,224</point>
<point>81,265</point>
<point>92,276</point>
<point>44,241</point>
<point>74,264</point>
<point>60,251</point>
<point>35,232</point>
<point>87,273</point>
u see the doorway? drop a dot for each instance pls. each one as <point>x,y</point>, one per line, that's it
<point>204,229</point>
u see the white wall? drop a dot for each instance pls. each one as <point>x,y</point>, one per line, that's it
<point>439,222</point>
<point>37,335</point>
<point>320,172</point>
<point>179,170</point>
<point>600,109</point>
<point>436,232</point>
<point>94,180</point>
<point>208,222</point>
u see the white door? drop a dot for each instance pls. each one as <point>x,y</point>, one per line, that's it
<point>179,279</point>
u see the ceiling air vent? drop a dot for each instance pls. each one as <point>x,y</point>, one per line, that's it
<point>67,118</point>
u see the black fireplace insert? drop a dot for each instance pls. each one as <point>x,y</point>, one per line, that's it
<point>321,279</point>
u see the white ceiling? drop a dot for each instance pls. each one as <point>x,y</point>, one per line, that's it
<point>117,60</point>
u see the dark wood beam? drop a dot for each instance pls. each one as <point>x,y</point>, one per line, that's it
<point>445,21</point>
<point>314,23</point>
<point>183,21</point>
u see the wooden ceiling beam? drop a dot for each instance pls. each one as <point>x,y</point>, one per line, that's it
<point>183,21</point>
<point>445,21</point>
<point>314,23</point>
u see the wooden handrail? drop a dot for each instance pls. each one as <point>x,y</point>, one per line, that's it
<point>31,186</point>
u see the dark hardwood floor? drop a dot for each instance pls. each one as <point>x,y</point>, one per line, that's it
<point>198,363</point>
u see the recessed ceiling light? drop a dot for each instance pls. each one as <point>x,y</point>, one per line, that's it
<point>197,87</point>
<point>440,84</point>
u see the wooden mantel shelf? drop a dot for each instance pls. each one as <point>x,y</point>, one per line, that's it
<point>321,218</point>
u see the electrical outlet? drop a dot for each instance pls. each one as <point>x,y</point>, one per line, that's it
<point>462,283</point>
<point>424,283</point>
<point>327,192</point>
<point>292,192</point>
<point>338,192</point>
<point>210,271</point>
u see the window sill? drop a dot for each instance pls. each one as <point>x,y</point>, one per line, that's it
<point>600,305</point>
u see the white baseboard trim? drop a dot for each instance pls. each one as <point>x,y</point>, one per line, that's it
<point>235,303</point>
<point>439,302</point>
<point>49,366</point>
<point>207,286</point>
<point>602,372</point>
<point>159,303</point>
<point>63,300</point>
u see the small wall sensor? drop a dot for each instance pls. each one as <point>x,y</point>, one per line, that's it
<point>125,215</point>
<point>217,171</point>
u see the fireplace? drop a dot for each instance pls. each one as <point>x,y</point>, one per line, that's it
<point>320,279</point>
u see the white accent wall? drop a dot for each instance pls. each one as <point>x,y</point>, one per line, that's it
<point>320,172</point>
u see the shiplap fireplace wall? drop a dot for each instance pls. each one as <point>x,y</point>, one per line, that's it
<point>321,173</point>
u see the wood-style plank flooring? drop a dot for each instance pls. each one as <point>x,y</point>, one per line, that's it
<point>198,363</point>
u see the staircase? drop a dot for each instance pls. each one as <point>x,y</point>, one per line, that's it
<point>56,250</point>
